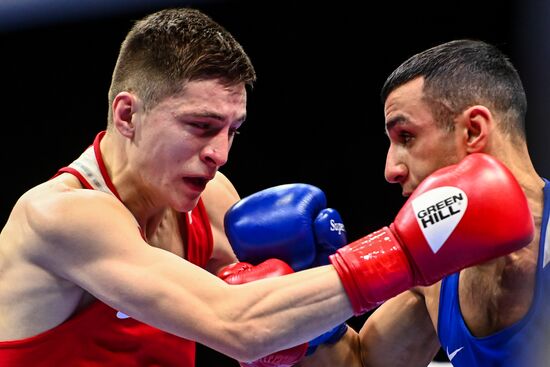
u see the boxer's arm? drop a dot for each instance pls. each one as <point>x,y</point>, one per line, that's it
<point>89,239</point>
<point>345,352</point>
<point>218,197</point>
<point>399,333</point>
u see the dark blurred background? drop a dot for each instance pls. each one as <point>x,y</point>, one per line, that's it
<point>314,115</point>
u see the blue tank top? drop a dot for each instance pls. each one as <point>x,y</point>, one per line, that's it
<point>525,343</point>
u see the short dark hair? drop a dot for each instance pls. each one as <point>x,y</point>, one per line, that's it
<point>462,73</point>
<point>166,49</point>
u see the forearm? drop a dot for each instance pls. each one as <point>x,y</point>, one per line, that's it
<point>399,333</point>
<point>242,321</point>
<point>281,312</point>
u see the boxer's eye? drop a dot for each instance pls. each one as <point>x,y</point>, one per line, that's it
<point>200,125</point>
<point>405,137</point>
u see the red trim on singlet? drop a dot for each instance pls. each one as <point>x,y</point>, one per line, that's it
<point>101,164</point>
<point>77,174</point>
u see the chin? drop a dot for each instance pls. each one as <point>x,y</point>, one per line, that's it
<point>187,205</point>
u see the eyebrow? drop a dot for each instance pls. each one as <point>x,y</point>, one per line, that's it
<point>212,115</point>
<point>396,120</point>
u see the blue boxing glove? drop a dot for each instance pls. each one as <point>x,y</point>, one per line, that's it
<point>292,223</point>
<point>330,235</point>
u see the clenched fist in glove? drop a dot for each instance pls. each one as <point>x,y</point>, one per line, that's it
<point>459,216</point>
<point>289,222</point>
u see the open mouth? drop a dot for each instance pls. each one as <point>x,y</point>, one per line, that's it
<point>196,183</point>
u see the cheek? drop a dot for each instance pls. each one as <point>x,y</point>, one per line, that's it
<point>451,154</point>
<point>442,157</point>
<point>430,157</point>
<point>183,151</point>
<point>423,169</point>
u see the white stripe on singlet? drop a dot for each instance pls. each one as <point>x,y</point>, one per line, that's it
<point>88,167</point>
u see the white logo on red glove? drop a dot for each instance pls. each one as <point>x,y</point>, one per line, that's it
<point>438,212</point>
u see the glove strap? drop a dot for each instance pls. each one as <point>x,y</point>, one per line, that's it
<point>372,270</point>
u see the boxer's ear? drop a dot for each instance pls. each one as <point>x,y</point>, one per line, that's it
<point>125,104</point>
<point>477,122</point>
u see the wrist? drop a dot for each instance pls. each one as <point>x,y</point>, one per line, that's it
<point>372,270</point>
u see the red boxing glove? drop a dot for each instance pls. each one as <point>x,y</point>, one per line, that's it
<point>243,272</point>
<point>459,216</point>
<point>283,358</point>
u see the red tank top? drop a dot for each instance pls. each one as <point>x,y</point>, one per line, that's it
<point>100,335</point>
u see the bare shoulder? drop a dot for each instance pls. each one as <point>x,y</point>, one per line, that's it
<point>59,220</point>
<point>55,208</point>
<point>220,192</point>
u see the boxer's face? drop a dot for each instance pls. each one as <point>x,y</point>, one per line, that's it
<point>418,145</point>
<point>182,141</point>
